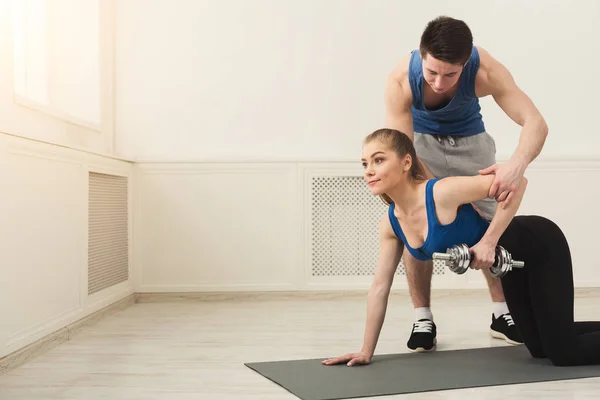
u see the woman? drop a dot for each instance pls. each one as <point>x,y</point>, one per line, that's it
<point>430,216</point>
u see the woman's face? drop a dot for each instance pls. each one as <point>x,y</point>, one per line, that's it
<point>384,170</point>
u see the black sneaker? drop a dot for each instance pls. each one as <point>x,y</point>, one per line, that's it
<point>504,328</point>
<point>423,336</point>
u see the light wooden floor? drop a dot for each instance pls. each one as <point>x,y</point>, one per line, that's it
<point>193,349</point>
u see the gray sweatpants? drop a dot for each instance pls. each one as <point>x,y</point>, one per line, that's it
<point>457,156</point>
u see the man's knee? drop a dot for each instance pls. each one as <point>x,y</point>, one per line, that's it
<point>418,274</point>
<point>418,277</point>
<point>413,264</point>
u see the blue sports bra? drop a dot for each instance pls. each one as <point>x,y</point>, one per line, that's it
<point>468,227</point>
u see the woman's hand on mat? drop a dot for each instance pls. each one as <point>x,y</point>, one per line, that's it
<point>483,255</point>
<point>350,359</point>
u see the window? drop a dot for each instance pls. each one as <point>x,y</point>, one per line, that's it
<point>57,58</point>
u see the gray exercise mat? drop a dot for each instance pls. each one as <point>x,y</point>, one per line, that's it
<point>421,372</point>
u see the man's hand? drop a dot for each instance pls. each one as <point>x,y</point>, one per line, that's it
<point>508,179</point>
<point>483,254</point>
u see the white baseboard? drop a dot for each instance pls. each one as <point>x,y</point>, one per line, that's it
<point>52,339</point>
<point>241,287</point>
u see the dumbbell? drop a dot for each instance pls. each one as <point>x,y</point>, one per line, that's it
<point>458,258</point>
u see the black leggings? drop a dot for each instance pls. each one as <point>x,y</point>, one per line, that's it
<point>540,295</point>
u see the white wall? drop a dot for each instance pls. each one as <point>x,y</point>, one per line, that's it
<point>248,226</point>
<point>44,200</point>
<point>232,106</point>
<point>43,239</point>
<point>303,80</point>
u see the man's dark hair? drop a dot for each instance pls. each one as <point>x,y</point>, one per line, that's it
<point>447,39</point>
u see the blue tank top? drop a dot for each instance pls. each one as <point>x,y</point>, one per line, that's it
<point>462,116</point>
<point>468,227</point>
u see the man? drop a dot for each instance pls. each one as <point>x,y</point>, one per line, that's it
<point>433,96</point>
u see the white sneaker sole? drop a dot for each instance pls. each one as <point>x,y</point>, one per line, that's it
<point>424,350</point>
<point>502,336</point>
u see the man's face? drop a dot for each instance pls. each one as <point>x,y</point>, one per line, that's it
<point>440,75</point>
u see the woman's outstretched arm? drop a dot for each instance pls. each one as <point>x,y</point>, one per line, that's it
<point>390,253</point>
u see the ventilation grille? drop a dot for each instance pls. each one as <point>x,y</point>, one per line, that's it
<point>345,228</point>
<point>108,261</point>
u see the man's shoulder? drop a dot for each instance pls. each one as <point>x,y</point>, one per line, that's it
<point>491,73</point>
<point>488,64</point>
<point>397,80</point>
<point>400,71</point>
<point>485,59</point>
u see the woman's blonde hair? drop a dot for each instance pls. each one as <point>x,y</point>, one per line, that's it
<point>401,144</point>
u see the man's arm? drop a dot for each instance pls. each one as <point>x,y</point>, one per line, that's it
<point>398,113</point>
<point>494,79</point>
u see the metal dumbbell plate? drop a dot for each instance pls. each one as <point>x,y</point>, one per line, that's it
<point>457,258</point>
<point>504,263</point>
